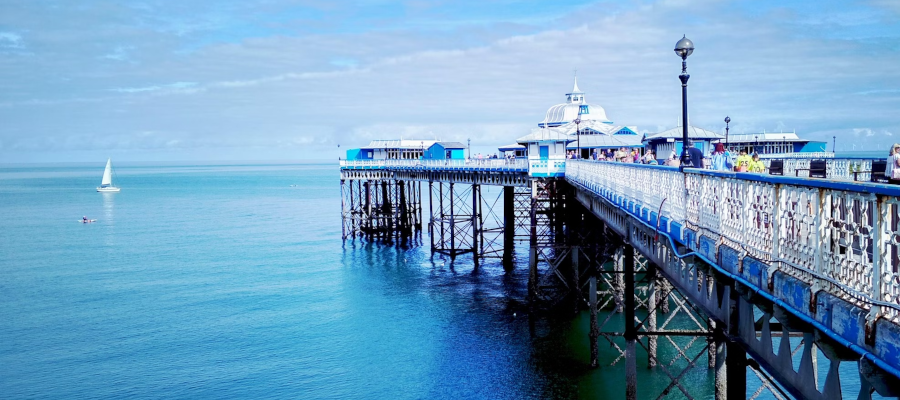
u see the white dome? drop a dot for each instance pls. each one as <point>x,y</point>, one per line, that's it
<point>575,107</point>
<point>568,112</point>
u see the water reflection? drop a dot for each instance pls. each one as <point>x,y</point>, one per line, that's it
<point>108,207</point>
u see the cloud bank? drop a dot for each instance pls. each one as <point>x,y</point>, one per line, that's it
<point>288,80</point>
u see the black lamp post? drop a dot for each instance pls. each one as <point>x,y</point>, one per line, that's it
<point>756,146</point>
<point>683,49</point>
<point>469,147</point>
<point>578,135</point>
<point>834,144</point>
<point>727,121</point>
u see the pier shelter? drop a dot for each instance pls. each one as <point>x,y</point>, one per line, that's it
<point>395,149</point>
<point>665,142</point>
<point>771,143</point>
<point>546,151</point>
<point>514,150</point>
<point>445,151</point>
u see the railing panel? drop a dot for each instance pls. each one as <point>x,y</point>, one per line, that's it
<point>845,235</point>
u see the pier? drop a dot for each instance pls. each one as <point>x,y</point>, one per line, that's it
<point>771,270</point>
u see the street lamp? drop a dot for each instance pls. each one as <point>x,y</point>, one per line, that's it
<point>469,147</point>
<point>834,144</point>
<point>578,135</point>
<point>683,49</point>
<point>756,146</point>
<point>727,121</point>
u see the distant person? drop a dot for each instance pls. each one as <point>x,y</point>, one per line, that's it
<point>672,161</point>
<point>695,155</point>
<point>721,159</point>
<point>743,162</point>
<point>649,158</point>
<point>892,167</point>
<point>756,165</point>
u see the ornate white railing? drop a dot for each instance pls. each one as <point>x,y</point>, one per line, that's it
<point>517,164</point>
<point>839,236</point>
<point>814,154</point>
<point>835,168</point>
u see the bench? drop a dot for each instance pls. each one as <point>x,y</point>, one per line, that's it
<point>776,167</point>
<point>817,169</point>
<point>877,172</point>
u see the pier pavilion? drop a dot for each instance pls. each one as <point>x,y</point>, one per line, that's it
<point>587,125</point>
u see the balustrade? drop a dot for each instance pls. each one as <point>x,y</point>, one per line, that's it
<point>496,164</point>
<point>844,235</point>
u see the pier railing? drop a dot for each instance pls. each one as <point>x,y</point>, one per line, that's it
<point>840,237</point>
<point>846,169</point>
<point>486,164</point>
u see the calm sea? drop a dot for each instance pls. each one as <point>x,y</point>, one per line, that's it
<point>232,281</point>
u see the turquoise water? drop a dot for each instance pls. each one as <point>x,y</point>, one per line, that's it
<point>225,281</point>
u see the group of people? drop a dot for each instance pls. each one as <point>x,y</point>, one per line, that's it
<point>721,159</point>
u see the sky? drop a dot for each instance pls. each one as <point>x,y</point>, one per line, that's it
<point>159,80</point>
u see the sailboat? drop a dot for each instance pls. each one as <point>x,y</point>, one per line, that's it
<point>106,185</point>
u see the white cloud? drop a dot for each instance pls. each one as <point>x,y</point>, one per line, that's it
<point>310,92</point>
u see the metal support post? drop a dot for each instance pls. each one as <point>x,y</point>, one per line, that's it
<point>651,315</point>
<point>476,215</point>
<point>509,225</point>
<point>575,290</point>
<point>720,364</point>
<point>595,329</point>
<point>452,226</point>
<point>630,329</point>
<point>431,213</point>
<point>532,256</point>
<point>735,356</point>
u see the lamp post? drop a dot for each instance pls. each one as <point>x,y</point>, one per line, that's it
<point>683,49</point>
<point>756,146</point>
<point>578,135</point>
<point>727,121</point>
<point>469,147</point>
<point>834,144</point>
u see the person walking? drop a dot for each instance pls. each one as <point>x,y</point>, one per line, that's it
<point>756,165</point>
<point>721,159</point>
<point>695,155</point>
<point>743,162</point>
<point>892,166</point>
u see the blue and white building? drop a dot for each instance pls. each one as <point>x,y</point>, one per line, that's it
<point>665,142</point>
<point>580,125</point>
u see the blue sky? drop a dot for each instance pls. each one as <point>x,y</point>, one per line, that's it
<point>273,79</point>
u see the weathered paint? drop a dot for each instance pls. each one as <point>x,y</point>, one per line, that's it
<point>729,258</point>
<point>848,321</point>
<point>794,292</point>
<point>887,341</point>
<point>707,247</point>
<point>756,272</point>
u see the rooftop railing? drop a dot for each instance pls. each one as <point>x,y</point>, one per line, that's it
<point>839,236</point>
<point>486,164</point>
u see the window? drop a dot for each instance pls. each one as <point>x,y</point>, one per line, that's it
<point>584,110</point>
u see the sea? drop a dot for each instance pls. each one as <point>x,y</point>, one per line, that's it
<point>232,281</point>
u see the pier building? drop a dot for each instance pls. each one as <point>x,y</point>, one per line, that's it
<point>770,275</point>
<point>665,142</point>
<point>774,144</point>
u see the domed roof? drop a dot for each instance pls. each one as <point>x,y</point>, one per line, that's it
<point>575,107</point>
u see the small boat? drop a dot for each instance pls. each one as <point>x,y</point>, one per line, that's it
<point>87,221</point>
<point>106,185</point>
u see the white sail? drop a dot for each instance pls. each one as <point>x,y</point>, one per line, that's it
<point>107,174</point>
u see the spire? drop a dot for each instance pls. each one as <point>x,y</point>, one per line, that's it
<point>576,89</point>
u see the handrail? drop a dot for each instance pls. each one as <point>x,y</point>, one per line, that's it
<point>517,164</point>
<point>845,233</point>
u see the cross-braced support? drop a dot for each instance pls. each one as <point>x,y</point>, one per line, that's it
<point>380,208</point>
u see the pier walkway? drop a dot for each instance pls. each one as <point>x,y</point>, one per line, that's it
<point>783,267</point>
